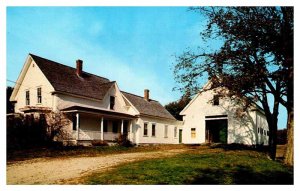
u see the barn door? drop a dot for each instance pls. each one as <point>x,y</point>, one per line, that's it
<point>216,131</point>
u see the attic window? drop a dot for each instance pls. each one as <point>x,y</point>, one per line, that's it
<point>112,102</point>
<point>216,100</point>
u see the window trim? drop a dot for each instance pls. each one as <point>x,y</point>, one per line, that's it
<point>39,97</point>
<point>145,134</point>
<point>216,100</point>
<point>193,132</point>
<point>166,131</point>
<point>175,131</point>
<point>153,125</point>
<point>27,101</point>
<point>112,106</point>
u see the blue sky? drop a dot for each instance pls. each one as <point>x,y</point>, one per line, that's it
<point>134,46</point>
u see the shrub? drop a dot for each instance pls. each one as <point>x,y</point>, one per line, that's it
<point>99,143</point>
<point>122,140</point>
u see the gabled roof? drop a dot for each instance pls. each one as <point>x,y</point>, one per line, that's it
<point>97,111</point>
<point>64,79</point>
<point>206,87</point>
<point>151,107</point>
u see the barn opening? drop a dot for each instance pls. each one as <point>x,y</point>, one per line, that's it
<point>216,128</point>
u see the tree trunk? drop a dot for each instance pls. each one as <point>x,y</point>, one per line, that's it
<point>289,155</point>
<point>272,119</point>
<point>272,139</point>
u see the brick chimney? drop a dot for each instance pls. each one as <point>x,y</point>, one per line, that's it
<point>146,94</point>
<point>79,67</point>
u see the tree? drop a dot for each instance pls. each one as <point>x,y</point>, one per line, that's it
<point>56,125</point>
<point>176,107</point>
<point>9,104</point>
<point>255,61</point>
<point>282,136</point>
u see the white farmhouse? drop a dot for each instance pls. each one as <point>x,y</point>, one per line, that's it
<point>94,106</point>
<point>209,118</point>
<point>96,109</point>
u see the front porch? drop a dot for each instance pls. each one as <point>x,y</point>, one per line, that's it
<point>101,125</point>
<point>108,129</point>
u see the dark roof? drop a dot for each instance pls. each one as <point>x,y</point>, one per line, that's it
<point>100,111</point>
<point>151,107</point>
<point>64,79</point>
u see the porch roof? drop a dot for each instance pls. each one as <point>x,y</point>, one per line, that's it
<point>28,109</point>
<point>109,113</point>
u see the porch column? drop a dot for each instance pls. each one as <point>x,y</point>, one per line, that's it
<point>130,130</point>
<point>77,125</point>
<point>122,128</point>
<point>101,130</point>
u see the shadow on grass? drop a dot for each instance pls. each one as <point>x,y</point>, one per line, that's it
<point>234,147</point>
<point>241,175</point>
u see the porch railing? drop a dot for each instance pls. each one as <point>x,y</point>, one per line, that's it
<point>110,136</point>
<point>89,135</point>
<point>96,135</point>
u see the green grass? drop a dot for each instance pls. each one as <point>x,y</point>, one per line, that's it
<point>227,167</point>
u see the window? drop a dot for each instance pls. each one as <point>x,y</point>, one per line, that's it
<point>216,100</point>
<point>261,131</point>
<point>27,98</point>
<point>153,130</point>
<point>115,127</point>
<point>74,122</point>
<point>39,95</point>
<point>175,132</point>
<point>145,129</point>
<point>112,102</point>
<point>166,131</point>
<point>193,133</point>
<point>258,130</point>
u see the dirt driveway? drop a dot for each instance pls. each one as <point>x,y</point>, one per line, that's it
<point>63,171</point>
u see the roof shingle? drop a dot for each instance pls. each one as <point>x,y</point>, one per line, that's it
<point>64,79</point>
<point>151,107</point>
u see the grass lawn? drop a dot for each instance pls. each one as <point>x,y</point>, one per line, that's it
<point>213,166</point>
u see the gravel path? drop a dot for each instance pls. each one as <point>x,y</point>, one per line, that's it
<point>63,171</point>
